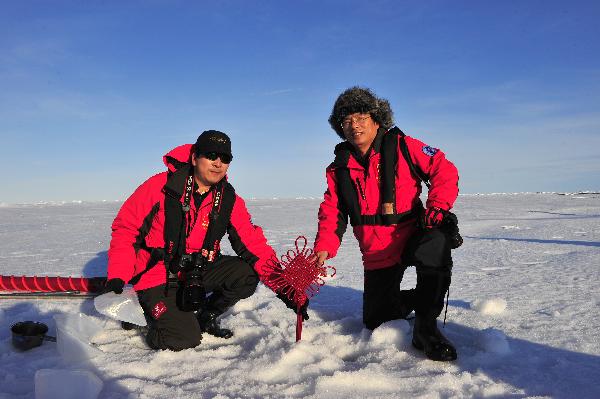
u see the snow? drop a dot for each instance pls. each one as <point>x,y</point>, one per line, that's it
<point>489,306</point>
<point>523,311</point>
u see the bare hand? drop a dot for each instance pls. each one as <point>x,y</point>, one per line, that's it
<point>321,257</point>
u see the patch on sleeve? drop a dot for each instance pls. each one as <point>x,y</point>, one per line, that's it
<point>427,150</point>
<point>158,310</point>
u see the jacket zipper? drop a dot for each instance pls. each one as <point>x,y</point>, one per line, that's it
<point>362,194</point>
<point>360,190</point>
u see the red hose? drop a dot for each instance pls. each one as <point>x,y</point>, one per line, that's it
<point>51,284</point>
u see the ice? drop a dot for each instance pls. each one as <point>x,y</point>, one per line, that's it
<point>123,307</point>
<point>74,333</point>
<point>66,384</point>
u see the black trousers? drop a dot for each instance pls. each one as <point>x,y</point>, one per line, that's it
<point>229,279</point>
<point>383,300</point>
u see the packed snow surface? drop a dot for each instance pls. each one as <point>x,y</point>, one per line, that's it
<point>523,312</point>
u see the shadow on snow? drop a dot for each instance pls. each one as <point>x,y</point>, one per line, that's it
<point>535,368</point>
<point>539,241</point>
<point>20,367</point>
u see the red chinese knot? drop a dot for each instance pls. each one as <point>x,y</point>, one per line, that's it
<point>297,274</point>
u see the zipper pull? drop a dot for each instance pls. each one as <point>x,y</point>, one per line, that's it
<point>360,190</point>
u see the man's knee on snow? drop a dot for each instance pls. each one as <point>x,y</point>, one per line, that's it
<point>247,285</point>
<point>158,341</point>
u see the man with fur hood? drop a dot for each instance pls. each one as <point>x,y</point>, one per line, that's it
<point>166,241</point>
<point>371,183</point>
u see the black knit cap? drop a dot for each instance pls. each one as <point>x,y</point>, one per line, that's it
<point>213,141</point>
<point>360,100</point>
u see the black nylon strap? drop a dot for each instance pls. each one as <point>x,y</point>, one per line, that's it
<point>389,164</point>
<point>415,170</point>
<point>388,220</point>
<point>220,216</point>
<point>175,211</point>
<point>156,255</point>
<point>348,193</point>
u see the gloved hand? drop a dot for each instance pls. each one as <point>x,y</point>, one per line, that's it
<point>433,217</point>
<point>113,285</point>
<point>292,305</point>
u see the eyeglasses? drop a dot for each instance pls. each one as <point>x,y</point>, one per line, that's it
<point>360,120</point>
<point>212,156</point>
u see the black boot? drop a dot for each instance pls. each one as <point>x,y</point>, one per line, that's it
<point>428,338</point>
<point>209,324</point>
<point>430,292</point>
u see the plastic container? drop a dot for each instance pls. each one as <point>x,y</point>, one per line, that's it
<point>66,384</point>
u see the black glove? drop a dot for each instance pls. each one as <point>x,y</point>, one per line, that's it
<point>433,217</point>
<point>450,227</point>
<point>292,305</point>
<point>113,285</point>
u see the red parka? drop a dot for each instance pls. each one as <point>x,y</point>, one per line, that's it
<point>142,217</point>
<point>382,246</point>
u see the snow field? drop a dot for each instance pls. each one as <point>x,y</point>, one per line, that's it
<point>522,312</point>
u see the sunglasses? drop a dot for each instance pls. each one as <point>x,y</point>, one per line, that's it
<point>212,156</point>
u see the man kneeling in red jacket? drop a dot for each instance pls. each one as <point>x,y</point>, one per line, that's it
<point>166,242</point>
<point>371,183</point>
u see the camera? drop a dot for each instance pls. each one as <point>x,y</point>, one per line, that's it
<point>450,227</point>
<point>191,294</point>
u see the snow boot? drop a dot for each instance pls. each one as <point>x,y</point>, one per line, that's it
<point>429,339</point>
<point>209,324</point>
<point>431,289</point>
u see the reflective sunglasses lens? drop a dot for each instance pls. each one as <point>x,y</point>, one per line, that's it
<point>225,158</point>
<point>212,156</point>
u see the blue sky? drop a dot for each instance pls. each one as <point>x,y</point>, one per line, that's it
<point>92,94</point>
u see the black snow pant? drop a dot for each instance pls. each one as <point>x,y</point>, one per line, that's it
<point>383,300</point>
<point>229,279</point>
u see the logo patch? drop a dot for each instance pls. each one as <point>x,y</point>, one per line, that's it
<point>158,310</point>
<point>427,150</point>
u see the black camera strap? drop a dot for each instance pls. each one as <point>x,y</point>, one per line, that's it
<point>181,182</point>
<point>219,218</point>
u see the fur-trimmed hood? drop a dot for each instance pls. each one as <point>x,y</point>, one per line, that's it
<point>361,100</point>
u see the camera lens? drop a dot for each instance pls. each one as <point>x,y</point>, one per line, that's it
<point>192,294</point>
